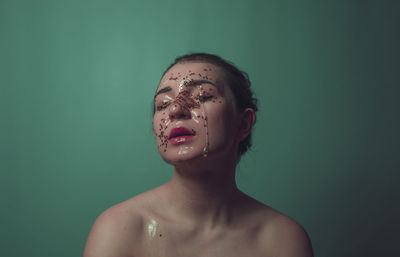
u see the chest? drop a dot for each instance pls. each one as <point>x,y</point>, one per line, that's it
<point>180,243</point>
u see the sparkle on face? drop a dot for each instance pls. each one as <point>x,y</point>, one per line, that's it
<point>187,101</point>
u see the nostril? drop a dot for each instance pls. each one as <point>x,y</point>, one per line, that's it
<point>180,108</point>
<point>178,113</point>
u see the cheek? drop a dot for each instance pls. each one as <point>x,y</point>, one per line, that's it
<point>160,126</point>
<point>155,122</point>
<point>220,118</point>
<point>153,126</point>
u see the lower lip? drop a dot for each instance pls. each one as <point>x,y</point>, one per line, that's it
<point>180,140</point>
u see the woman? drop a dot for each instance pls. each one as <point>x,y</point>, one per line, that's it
<point>204,112</point>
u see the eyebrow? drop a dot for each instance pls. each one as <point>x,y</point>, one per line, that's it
<point>194,82</point>
<point>163,90</point>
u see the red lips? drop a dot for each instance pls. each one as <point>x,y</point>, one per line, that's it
<point>180,135</point>
<point>180,131</point>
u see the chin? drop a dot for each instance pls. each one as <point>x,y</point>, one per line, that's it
<point>181,156</point>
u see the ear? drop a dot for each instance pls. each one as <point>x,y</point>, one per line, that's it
<point>248,119</point>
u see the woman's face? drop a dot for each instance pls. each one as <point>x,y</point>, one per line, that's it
<point>195,114</point>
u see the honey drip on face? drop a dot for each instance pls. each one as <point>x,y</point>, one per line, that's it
<point>203,113</point>
<point>185,100</point>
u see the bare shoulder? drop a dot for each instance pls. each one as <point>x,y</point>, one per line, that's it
<point>115,229</point>
<point>283,236</point>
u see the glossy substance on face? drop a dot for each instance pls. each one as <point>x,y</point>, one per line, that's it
<point>186,101</point>
<point>203,113</point>
<point>190,95</point>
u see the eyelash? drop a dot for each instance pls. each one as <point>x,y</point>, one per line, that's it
<point>204,98</point>
<point>200,98</point>
<point>162,106</point>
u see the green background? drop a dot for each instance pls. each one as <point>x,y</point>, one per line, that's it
<point>77,80</point>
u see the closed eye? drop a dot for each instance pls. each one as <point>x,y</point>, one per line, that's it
<point>162,106</point>
<point>204,98</point>
<point>165,104</point>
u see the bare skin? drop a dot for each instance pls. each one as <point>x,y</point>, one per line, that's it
<point>200,211</point>
<point>146,225</point>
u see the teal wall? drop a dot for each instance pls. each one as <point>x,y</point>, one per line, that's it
<point>77,80</point>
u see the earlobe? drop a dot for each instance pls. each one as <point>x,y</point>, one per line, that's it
<point>247,122</point>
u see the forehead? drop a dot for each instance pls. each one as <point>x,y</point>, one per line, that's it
<point>192,70</point>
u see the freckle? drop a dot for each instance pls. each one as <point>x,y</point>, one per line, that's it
<point>160,235</point>
<point>220,101</point>
<point>165,150</point>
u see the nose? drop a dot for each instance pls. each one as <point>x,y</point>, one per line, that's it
<point>179,109</point>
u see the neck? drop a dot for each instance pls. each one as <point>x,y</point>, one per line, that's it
<point>203,195</point>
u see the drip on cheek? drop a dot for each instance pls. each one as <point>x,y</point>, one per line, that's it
<point>203,113</point>
<point>195,116</point>
<point>187,103</point>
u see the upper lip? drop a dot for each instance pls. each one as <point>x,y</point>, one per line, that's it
<point>180,131</point>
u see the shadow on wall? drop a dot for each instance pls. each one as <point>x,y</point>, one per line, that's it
<point>368,213</point>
